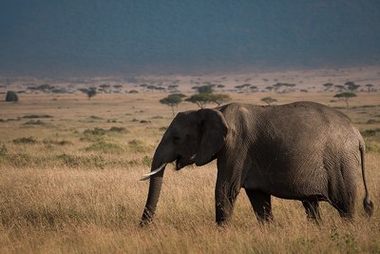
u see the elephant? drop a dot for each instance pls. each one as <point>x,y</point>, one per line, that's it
<point>302,151</point>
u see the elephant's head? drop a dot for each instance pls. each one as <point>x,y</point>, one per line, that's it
<point>192,137</point>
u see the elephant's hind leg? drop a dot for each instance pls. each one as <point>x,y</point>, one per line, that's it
<point>261,204</point>
<point>343,194</point>
<point>312,210</point>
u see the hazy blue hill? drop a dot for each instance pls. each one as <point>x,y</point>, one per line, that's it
<point>93,36</point>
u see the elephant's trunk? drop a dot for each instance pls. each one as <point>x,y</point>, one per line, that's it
<point>154,188</point>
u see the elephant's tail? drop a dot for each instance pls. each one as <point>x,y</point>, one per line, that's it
<point>367,203</point>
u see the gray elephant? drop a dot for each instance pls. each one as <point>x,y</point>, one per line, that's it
<point>302,151</point>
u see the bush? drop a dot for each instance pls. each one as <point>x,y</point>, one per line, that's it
<point>11,96</point>
<point>104,147</point>
<point>37,116</point>
<point>34,122</point>
<point>25,140</point>
<point>95,132</point>
<point>117,129</point>
<point>56,142</point>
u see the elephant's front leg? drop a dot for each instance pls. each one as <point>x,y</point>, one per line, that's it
<point>226,192</point>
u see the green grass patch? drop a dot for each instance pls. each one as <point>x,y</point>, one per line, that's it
<point>147,161</point>
<point>97,134</point>
<point>370,132</point>
<point>105,147</point>
<point>137,146</point>
<point>372,147</point>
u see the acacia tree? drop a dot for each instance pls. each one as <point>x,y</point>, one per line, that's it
<point>328,86</point>
<point>345,96</point>
<point>201,99</point>
<point>172,100</point>
<point>219,99</point>
<point>351,86</point>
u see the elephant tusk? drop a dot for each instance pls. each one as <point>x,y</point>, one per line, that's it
<point>147,176</point>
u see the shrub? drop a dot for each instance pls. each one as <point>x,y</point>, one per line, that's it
<point>37,116</point>
<point>11,96</point>
<point>95,132</point>
<point>34,122</point>
<point>56,142</point>
<point>117,129</point>
<point>25,140</point>
<point>96,117</point>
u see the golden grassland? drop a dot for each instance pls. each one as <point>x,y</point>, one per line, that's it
<point>69,182</point>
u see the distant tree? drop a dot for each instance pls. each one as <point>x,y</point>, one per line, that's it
<point>269,88</point>
<point>173,87</point>
<point>328,86</point>
<point>277,86</point>
<point>220,99</point>
<point>369,87</point>
<point>11,96</point>
<point>90,92</point>
<point>345,96</point>
<point>204,89</point>
<point>172,100</point>
<point>268,100</point>
<point>253,88</point>
<point>104,86</point>
<point>200,99</point>
<point>243,87</point>
<point>351,86</point>
<point>339,87</point>
<point>220,86</point>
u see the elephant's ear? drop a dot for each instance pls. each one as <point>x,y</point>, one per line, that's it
<point>213,131</point>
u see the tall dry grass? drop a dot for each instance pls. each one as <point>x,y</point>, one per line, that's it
<point>65,198</point>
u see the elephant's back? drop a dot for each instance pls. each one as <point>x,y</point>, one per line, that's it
<point>299,144</point>
<point>310,126</point>
<point>307,118</point>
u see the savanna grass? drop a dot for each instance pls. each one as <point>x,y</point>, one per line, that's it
<point>74,188</point>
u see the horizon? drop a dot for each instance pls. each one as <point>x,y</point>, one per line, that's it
<point>79,38</point>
